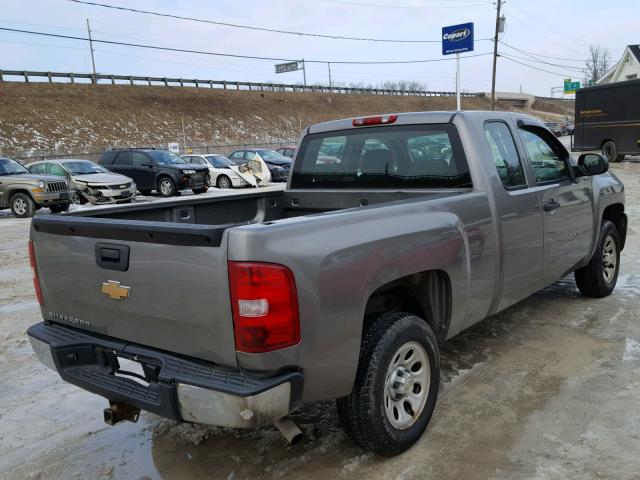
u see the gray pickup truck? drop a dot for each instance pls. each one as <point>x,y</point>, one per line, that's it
<point>236,310</point>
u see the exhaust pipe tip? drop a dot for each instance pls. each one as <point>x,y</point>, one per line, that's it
<point>289,430</point>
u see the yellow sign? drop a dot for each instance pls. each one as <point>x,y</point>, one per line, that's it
<point>115,290</point>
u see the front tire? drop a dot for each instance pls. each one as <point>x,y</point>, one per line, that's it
<point>598,278</point>
<point>396,385</point>
<point>22,205</point>
<point>223,182</point>
<point>166,187</point>
<point>78,199</point>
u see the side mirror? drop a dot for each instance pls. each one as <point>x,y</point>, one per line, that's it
<point>592,164</point>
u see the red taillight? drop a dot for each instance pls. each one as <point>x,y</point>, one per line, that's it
<point>264,303</point>
<point>377,120</point>
<point>34,272</point>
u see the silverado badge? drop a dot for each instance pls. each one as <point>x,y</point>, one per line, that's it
<point>115,290</point>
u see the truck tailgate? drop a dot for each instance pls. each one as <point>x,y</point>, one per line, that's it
<point>172,294</point>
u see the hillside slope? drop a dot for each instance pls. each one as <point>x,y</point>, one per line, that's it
<point>39,118</point>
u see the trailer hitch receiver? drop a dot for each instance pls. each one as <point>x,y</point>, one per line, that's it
<point>118,412</point>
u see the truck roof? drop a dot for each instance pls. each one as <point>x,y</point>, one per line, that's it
<point>411,118</point>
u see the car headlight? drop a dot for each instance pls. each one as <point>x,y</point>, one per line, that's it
<point>42,185</point>
<point>188,172</point>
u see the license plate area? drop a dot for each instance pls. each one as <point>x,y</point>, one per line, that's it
<point>131,369</point>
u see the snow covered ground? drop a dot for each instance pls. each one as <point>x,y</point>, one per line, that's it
<point>547,389</point>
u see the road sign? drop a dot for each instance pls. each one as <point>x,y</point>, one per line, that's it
<point>457,38</point>
<point>288,67</point>
<point>570,87</point>
<point>174,147</point>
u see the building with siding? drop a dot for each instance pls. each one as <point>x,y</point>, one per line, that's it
<point>628,68</point>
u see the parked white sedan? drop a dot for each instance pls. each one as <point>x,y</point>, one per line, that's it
<point>221,175</point>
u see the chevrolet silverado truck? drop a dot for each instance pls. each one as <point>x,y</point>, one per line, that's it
<point>234,311</point>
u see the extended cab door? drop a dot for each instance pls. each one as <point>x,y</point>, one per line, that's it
<point>520,218</point>
<point>567,203</point>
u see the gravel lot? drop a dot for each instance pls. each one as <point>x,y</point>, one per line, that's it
<point>547,389</point>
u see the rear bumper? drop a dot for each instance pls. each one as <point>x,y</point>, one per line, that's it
<point>175,387</point>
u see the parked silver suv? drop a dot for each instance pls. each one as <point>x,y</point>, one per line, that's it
<point>25,193</point>
<point>91,182</point>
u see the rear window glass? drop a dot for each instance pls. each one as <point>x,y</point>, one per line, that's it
<point>411,156</point>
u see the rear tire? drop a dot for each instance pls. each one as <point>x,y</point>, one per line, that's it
<point>610,151</point>
<point>22,205</point>
<point>166,187</point>
<point>61,207</point>
<point>396,385</point>
<point>598,278</point>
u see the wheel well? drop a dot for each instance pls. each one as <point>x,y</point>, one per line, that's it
<point>615,214</point>
<point>26,192</point>
<point>605,141</point>
<point>426,294</point>
<point>164,175</point>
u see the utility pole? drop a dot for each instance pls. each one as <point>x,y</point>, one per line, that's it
<point>304,74</point>
<point>329,67</point>
<point>93,60</point>
<point>495,57</point>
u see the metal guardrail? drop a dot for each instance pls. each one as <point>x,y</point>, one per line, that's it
<point>553,99</point>
<point>26,76</point>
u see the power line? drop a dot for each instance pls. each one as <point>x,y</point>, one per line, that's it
<point>251,57</point>
<point>554,30</point>
<point>466,3</point>
<point>526,52</point>
<point>252,27</point>
<point>506,57</point>
<point>527,23</point>
<point>531,59</point>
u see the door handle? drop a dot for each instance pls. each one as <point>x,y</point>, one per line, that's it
<point>551,205</point>
<point>111,256</point>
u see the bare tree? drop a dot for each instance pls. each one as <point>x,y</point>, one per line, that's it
<point>598,62</point>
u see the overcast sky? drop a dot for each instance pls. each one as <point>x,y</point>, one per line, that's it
<point>562,29</point>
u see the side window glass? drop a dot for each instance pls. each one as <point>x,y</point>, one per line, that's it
<point>54,169</point>
<point>250,155</point>
<point>37,168</point>
<point>237,155</point>
<point>547,163</point>
<point>139,159</point>
<point>123,158</point>
<point>505,155</point>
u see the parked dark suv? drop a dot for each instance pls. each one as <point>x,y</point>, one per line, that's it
<point>159,170</point>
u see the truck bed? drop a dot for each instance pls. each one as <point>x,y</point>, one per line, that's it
<point>171,257</point>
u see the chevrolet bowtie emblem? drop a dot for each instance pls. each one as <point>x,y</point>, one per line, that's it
<point>115,290</point>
